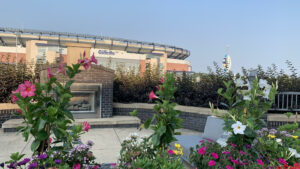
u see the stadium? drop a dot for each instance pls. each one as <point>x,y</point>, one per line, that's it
<point>35,46</point>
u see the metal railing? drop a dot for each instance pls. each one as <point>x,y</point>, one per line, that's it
<point>287,101</point>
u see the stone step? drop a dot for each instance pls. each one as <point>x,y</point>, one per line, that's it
<point>112,122</point>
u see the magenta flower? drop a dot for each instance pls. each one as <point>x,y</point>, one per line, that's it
<point>282,161</point>
<point>86,63</point>
<point>242,153</point>
<point>171,152</point>
<point>96,167</point>
<point>202,141</point>
<point>49,140</point>
<point>210,140</point>
<point>80,61</point>
<point>202,150</point>
<point>27,89</point>
<point>225,152</point>
<point>152,96</point>
<point>50,74</point>
<point>259,162</point>
<point>214,155</point>
<point>235,161</point>
<point>158,88</point>
<point>83,53</point>
<point>114,164</point>
<point>76,166</point>
<point>211,163</point>
<point>86,126</point>
<point>93,59</point>
<point>60,68</point>
<point>228,167</point>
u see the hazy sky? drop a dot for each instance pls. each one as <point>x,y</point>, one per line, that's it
<point>258,31</point>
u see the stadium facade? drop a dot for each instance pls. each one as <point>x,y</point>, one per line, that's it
<point>33,46</point>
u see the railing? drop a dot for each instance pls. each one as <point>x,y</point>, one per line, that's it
<point>287,101</point>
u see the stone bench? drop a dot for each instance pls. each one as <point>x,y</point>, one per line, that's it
<point>213,130</point>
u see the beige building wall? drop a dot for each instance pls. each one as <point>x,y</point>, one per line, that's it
<point>32,51</point>
<point>75,51</point>
<point>163,60</point>
<point>51,56</point>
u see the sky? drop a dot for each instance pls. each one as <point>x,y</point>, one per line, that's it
<point>258,31</point>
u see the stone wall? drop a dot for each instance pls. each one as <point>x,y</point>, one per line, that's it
<point>96,74</point>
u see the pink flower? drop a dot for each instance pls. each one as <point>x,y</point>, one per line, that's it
<point>282,161</point>
<point>210,140</point>
<point>233,145</point>
<point>49,140</point>
<point>76,166</point>
<point>242,153</point>
<point>162,80</point>
<point>83,53</point>
<point>86,126</point>
<point>202,141</point>
<point>50,74</point>
<point>114,164</point>
<point>95,167</point>
<point>93,59</point>
<point>228,167</point>
<point>235,161</point>
<point>259,162</point>
<point>171,152</point>
<point>86,63</point>
<point>152,96</point>
<point>225,152</point>
<point>211,163</point>
<point>80,61</point>
<point>202,150</point>
<point>214,155</point>
<point>27,89</point>
<point>60,68</point>
<point>14,97</point>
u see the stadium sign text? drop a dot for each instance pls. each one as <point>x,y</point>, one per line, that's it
<point>105,52</point>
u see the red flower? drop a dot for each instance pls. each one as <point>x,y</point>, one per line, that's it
<point>152,96</point>
<point>50,74</point>
<point>27,89</point>
<point>162,80</point>
<point>86,126</point>
<point>19,112</point>
<point>211,163</point>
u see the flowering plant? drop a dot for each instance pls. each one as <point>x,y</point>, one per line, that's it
<point>44,108</point>
<point>246,108</point>
<point>166,119</point>
<point>135,147</point>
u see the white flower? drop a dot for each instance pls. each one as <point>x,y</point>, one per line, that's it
<point>247,98</point>
<point>294,153</point>
<point>279,141</point>
<point>267,92</point>
<point>238,128</point>
<point>222,142</point>
<point>239,82</point>
<point>262,83</point>
<point>248,85</point>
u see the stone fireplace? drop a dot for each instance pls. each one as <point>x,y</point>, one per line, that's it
<point>92,91</point>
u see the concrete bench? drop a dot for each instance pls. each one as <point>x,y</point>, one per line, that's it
<point>213,130</point>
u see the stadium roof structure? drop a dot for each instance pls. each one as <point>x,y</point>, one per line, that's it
<point>12,36</point>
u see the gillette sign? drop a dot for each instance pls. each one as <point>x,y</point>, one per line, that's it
<point>106,52</point>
